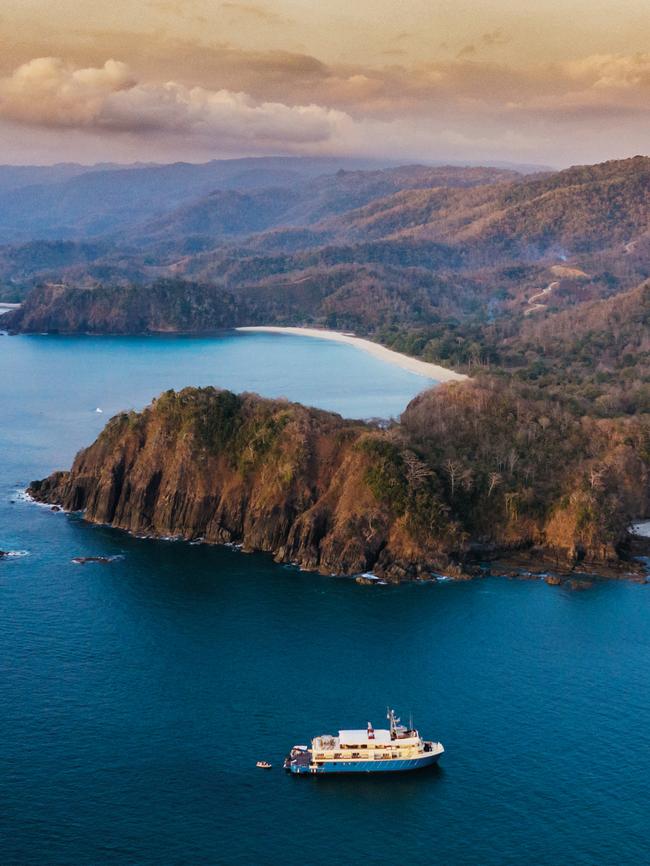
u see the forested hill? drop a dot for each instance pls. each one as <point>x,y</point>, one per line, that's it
<point>473,267</point>
<point>472,472</point>
<point>414,227</point>
<point>577,210</point>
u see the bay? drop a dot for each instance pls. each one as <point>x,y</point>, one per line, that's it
<point>136,697</point>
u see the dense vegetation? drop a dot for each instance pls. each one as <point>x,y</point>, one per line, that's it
<point>594,357</point>
<point>508,460</point>
<point>471,471</point>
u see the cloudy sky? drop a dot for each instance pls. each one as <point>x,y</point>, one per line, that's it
<point>554,82</point>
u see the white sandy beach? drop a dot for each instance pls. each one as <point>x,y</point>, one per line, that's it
<point>413,365</point>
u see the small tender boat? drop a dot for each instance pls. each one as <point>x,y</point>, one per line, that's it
<point>263,765</point>
<point>366,751</point>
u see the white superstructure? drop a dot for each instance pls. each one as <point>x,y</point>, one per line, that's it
<point>367,749</point>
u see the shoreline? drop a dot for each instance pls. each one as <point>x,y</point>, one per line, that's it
<point>425,369</point>
<point>527,566</point>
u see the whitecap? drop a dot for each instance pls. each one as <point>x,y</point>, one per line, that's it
<point>21,495</point>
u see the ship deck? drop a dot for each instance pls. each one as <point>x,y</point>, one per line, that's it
<point>301,761</point>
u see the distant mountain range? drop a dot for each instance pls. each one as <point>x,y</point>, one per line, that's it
<point>70,201</point>
<point>357,248</point>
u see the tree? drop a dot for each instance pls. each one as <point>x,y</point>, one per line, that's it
<point>453,468</point>
<point>596,477</point>
<point>494,479</point>
<point>416,469</point>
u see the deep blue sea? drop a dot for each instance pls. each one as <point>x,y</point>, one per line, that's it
<point>136,697</point>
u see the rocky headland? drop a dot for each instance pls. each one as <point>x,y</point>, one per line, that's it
<point>473,472</point>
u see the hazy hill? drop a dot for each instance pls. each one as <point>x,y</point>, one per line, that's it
<point>228,213</point>
<point>74,202</point>
<point>15,177</point>
<point>537,285</point>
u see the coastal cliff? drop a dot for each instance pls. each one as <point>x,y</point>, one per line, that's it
<point>472,472</point>
<point>270,475</point>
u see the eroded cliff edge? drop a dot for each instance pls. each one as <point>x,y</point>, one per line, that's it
<point>470,472</point>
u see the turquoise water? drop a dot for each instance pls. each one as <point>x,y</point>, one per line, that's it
<point>136,697</point>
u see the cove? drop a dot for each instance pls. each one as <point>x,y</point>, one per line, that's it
<point>135,697</point>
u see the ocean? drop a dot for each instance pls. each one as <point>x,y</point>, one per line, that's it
<point>136,696</point>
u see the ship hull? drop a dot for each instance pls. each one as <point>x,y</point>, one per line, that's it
<point>398,765</point>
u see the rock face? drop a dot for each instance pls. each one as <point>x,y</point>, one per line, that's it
<point>345,497</point>
<point>271,475</point>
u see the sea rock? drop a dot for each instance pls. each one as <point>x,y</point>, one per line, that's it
<point>82,560</point>
<point>553,580</point>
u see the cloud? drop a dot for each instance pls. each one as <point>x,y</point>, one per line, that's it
<point>47,92</point>
<point>611,71</point>
<point>591,89</point>
<point>217,115</point>
<point>276,96</point>
<point>243,101</point>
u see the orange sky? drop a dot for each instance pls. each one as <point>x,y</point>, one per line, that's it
<point>545,82</point>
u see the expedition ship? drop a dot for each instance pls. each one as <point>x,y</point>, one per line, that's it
<point>365,751</point>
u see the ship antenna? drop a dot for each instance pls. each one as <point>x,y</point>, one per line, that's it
<point>411,720</point>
